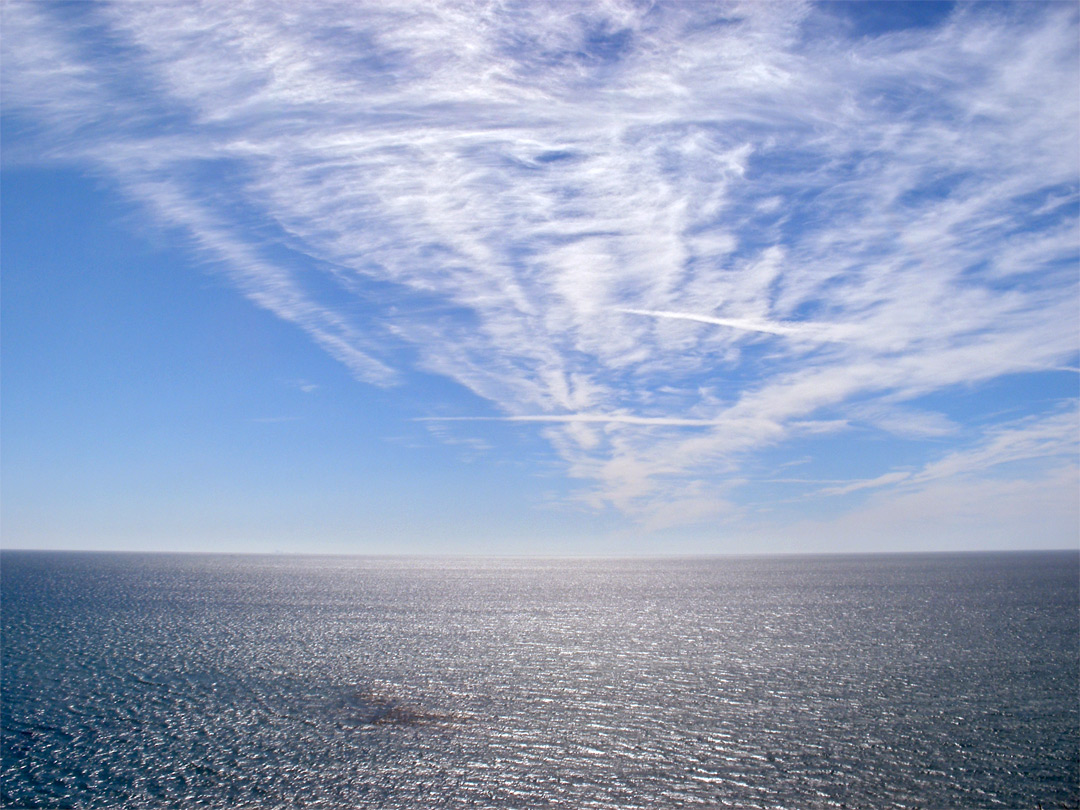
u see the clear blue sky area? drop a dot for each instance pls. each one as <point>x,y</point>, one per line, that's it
<point>669,278</point>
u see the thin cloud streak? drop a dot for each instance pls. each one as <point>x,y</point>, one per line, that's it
<point>585,418</point>
<point>815,330</point>
<point>1052,439</point>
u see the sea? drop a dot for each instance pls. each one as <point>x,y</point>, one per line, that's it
<point>280,681</point>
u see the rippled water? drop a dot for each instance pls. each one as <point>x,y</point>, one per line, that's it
<point>225,681</point>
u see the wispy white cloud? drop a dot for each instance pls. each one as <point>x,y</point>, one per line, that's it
<point>1053,439</point>
<point>587,418</point>
<point>900,420</point>
<point>855,486</point>
<point>490,191</point>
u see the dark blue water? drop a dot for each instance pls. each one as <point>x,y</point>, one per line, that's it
<point>800,682</point>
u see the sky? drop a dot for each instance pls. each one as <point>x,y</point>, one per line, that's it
<point>540,278</point>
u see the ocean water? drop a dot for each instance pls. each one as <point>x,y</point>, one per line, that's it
<point>797,682</point>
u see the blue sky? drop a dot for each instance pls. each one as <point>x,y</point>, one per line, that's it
<point>615,278</point>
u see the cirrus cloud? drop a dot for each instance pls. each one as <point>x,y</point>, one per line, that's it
<point>678,235</point>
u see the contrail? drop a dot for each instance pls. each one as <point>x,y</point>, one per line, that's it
<point>818,330</point>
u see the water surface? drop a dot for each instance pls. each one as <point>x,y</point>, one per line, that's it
<point>787,682</point>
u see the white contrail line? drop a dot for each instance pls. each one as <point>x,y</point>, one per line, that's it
<point>820,331</point>
<point>734,323</point>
